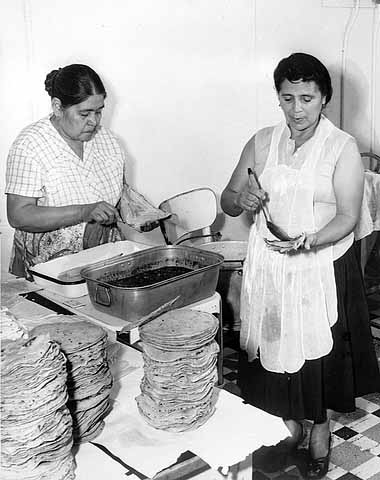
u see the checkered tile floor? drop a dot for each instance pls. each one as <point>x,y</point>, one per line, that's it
<point>355,450</point>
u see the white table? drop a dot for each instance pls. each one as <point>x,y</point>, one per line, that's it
<point>369,223</point>
<point>149,451</point>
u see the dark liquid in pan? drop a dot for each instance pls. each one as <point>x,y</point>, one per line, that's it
<point>149,277</point>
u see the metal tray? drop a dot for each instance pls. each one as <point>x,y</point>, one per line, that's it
<point>131,303</point>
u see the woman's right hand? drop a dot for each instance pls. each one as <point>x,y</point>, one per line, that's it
<point>250,198</point>
<point>100,212</point>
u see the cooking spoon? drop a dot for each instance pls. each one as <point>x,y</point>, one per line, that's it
<point>275,230</point>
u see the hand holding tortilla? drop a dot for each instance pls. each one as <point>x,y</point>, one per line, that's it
<point>138,212</point>
<point>286,246</point>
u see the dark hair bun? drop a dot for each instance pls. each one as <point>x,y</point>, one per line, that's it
<point>73,84</point>
<point>50,80</point>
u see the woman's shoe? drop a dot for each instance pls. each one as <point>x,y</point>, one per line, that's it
<point>318,467</point>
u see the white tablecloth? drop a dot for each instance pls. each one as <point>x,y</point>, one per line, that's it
<point>229,436</point>
<point>370,212</point>
<point>127,435</point>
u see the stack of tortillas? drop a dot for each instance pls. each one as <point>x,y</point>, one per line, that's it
<point>89,378</point>
<point>36,425</point>
<point>180,354</point>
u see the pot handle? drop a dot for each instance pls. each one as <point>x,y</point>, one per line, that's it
<point>234,265</point>
<point>103,296</point>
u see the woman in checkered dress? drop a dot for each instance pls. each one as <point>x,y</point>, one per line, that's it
<point>64,172</point>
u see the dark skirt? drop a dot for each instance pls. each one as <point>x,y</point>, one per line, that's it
<point>333,382</point>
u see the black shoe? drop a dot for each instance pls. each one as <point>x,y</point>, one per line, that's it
<point>318,467</point>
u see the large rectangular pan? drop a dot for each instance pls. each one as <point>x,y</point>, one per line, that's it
<point>131,303</point>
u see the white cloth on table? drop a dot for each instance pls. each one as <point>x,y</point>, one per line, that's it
<point>127,435</point>
<point>369,220</point>
<point>92,463</point>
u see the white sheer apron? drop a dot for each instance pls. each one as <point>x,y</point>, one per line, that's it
<point>288,301</point>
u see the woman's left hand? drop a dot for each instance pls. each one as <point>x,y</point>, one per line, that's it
<point>304,241</point>
<point>310,241</point>
<point>286,246</point>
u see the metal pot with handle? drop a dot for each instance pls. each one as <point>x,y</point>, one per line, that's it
<point>230,277</point>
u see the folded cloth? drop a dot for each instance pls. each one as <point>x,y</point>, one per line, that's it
<point>369,219</point>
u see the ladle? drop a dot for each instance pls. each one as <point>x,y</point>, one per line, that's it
<point>275,230</point>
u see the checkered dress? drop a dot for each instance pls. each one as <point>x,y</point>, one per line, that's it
<point>41,164</point>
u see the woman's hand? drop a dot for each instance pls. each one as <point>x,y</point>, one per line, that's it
<point>305,241</point>
<point>287,246</point>
<point>310,241</point>
<point>250,198</point>
<point>242,193</point>
<point>100,212</point>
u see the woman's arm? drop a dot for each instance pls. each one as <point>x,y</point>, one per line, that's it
<point>24,214</point>
<point>240,193</point>
<point>348,183</point>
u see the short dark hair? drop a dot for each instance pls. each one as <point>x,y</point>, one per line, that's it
<point>305,67</point>
<point>73,84</point>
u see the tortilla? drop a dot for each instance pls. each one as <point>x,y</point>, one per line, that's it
<point>73,336</point>
<point>137,212</point>
<point>180,356</point>
<point>36,425</point>
<point>89,379</point>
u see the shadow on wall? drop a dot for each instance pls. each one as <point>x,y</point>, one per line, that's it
<point>356,99</point>
<point>232,228</point>
<point>111,107</point>
<point>357,106</point>
<point>333,108</point>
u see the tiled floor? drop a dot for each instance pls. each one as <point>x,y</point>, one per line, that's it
<point>355,450</point>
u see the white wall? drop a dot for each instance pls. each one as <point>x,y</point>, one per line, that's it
<point>188,81</point>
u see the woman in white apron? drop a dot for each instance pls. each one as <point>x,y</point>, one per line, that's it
<point>305,336</point>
